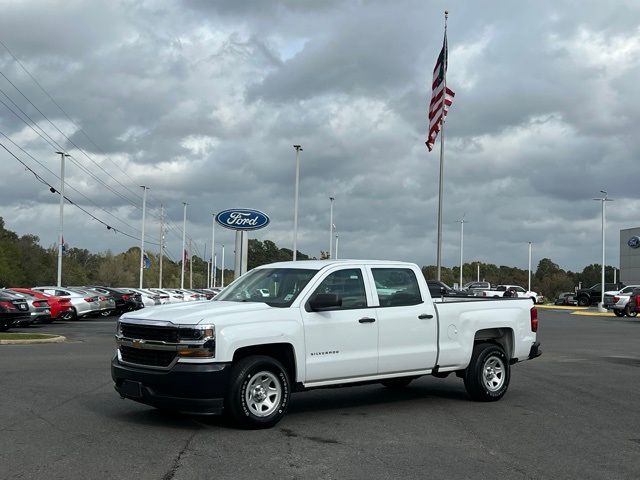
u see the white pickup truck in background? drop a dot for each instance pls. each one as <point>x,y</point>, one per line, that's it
<point>519,291</point>
<point>294,326</point>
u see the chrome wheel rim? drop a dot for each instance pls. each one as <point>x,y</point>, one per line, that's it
<point>493,373</point>
<point>263,394</point>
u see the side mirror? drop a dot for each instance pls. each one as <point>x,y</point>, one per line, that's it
<point>324,301</point>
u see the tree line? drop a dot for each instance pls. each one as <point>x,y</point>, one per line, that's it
<point>24,262</point>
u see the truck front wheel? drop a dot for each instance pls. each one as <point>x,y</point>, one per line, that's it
<point>259,392</point>
<point>487,376</point>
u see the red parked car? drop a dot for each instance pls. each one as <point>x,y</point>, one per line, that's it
<point>61,308</point>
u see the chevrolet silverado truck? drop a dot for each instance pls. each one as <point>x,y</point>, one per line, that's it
<point>295,326</point>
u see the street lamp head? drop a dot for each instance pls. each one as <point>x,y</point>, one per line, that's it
<point>298,148</point>
<point>332,198</point>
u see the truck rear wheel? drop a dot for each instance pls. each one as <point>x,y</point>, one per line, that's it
<point>487,376</point>
<point>630,312</point>
<point>259,392</point>
<point>618,313</point>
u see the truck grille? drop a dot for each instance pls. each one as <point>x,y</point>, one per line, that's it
<point>149,332</point>
<point>155,358</point>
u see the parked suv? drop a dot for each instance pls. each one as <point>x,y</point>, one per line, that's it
<point>589,296</point>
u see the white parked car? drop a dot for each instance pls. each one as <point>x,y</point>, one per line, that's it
<point>293,326</point>
<point>169,296</point>
<point>149,298</point>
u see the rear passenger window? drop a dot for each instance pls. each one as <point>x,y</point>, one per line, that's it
<point>396,287</point>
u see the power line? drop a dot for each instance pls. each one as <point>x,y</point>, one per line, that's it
<point>80,129</point>
<point>54,190</point>
<point>66,183</point>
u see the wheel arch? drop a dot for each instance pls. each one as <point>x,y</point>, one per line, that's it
<point>502,336</point>
<point>283,352</point>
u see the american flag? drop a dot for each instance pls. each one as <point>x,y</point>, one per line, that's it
<point>440,103</point>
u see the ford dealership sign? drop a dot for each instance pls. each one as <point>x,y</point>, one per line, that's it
<point>634,242</point>
<point>242,219</point>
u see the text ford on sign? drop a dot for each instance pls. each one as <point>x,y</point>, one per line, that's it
<point>242,219</point>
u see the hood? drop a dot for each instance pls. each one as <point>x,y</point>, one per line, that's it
<point>192,313</point>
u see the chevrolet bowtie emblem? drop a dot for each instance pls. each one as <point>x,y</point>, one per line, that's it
<point>137,343</point>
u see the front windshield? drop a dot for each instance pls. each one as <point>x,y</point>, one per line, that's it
<point>277,287</point>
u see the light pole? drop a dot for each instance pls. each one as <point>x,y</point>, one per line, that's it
<point>337,244</point>
<point>529,284</point>
<point>461,222</point>
<point>61,227</point>
<point>144,209</point>
<point>222,274</point>
<point>213,252</point>
<point>604,199</point>
<point>295,204</point>
<point>184,245</point>
<point>331,199</point>
<point>161,244</point>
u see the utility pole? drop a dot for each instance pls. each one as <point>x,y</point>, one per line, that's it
<point>295,204</point>
<point>190,265</point>
<point>144,209</point>
<point>61,227</point>
<point>222,275</point>
<point>161,244</point>
<point>331,199</point>
<point>184,245</point>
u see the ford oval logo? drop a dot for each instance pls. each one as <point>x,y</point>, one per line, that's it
<point>634,242</point>
<point>242,219</point>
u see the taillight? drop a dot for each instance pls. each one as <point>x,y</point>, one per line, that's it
<point>103,299</point>
<point>7,305</point>
<point>125,297</point>
<point>89,299</point>
<point>40,303</point>
<point>64,300</point>
<point>615,299</point>
<point>534,319</point>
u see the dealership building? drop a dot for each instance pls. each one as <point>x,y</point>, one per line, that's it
<point>630,256</point>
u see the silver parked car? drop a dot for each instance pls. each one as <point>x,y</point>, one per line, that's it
<point>149,298</point>
<point>83,304</point>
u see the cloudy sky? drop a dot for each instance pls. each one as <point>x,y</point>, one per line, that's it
<point>203,100</point>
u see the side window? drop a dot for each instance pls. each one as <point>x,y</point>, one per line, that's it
<point>520,289</point>
<point>397,287</point>
<point>348,285</point>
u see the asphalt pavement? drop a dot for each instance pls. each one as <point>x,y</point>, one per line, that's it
<point>570,414</point>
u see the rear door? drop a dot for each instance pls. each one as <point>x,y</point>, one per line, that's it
<point>341,342</point>
<point>407,339</point>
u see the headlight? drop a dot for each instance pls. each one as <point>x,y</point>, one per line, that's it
<point>201,332</point>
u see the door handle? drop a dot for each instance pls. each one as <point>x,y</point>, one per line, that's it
<point>367,320</point>
<point>425,316</point>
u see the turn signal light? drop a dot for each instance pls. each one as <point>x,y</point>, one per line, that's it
<point>195,354</point>
<point>534,319</point>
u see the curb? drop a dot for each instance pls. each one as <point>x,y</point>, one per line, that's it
<point>561,307</point>
<point>594,314</point>
<point>53,339</point>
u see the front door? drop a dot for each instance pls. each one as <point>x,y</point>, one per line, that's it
<point>341,342</point>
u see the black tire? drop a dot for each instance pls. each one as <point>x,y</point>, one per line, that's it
<point>106,313</point>
<point>246,372</point>
<point>583,301</point>
<point>69,315</point>
<point>629,312</point>
<point>4,328</point>
<point>397,383</point>
<point>476,380</point>
<point>618,313</point>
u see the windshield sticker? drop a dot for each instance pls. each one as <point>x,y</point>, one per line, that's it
<point>288,297</point>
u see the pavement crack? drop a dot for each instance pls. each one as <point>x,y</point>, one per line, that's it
<point>176,461</point>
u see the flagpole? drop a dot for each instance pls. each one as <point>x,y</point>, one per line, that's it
<point>440,185</point>
<point>144,207</point>
<point>184,251</point>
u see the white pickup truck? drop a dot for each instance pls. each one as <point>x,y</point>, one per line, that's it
<point>517,290</point>
<point>322,323</point>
